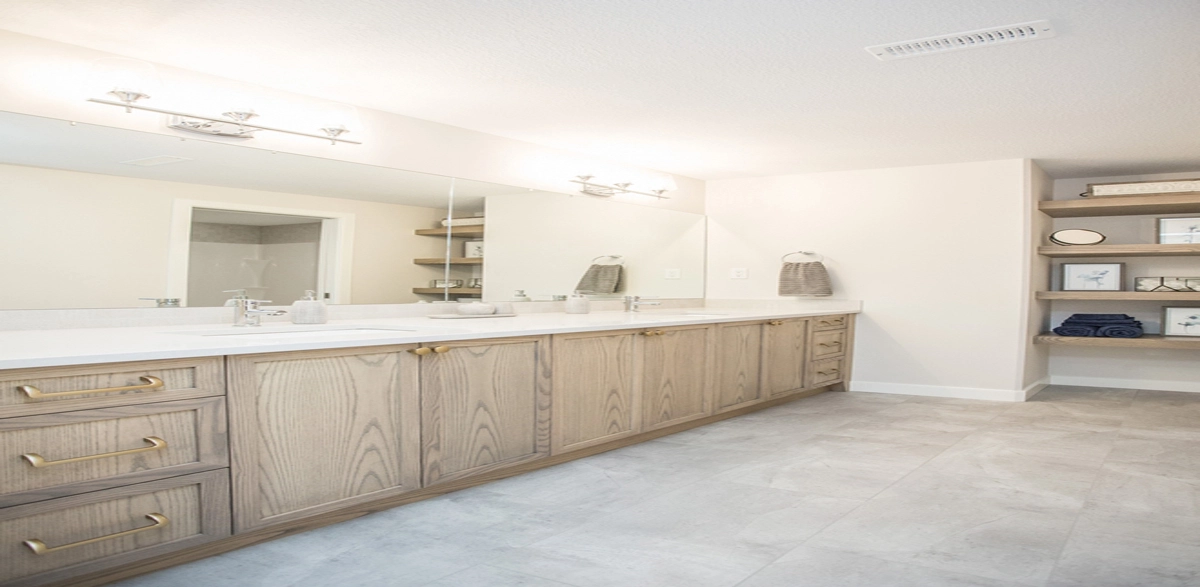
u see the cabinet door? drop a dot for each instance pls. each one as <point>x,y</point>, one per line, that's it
<point>318,430</point>
<point>484,405</point>
<point>739,365</point>
<point>785,356</point>
<point>676,375</point>
<point>595,388</point>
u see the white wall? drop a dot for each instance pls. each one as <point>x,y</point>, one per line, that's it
<point>543,243</point>
<point>1171,370</point>
<point>937,253</point>
<point>1039,187</point>
<point>47,78</point>
<point>84,240</point>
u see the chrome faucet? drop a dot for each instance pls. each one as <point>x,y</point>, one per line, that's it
<point>633,302</point>
<point>246,311</point>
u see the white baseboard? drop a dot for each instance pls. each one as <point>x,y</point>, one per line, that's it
<point>998,395</point>
<point>1149,384</point>
<point>1036,387</point>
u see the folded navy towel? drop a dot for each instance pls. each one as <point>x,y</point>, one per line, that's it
<point>1068,330</point>
<point>1100,317</point>
<point>1120,331</point>
<point>1071,322</point>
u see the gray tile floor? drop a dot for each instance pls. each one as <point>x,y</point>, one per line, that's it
<point>1078,487</point>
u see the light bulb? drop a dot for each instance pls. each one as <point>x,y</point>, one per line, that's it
<point>129,80</point>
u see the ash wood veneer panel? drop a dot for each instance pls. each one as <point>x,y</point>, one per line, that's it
<point>484,404</point>
<point>785,356</point>
<point>196,507</point>
<point>676,375</point>
<point>194,432</point>
<point>827,344</point>
<point>595,389</point>
<point>318,430</point>
<point>183,379</point>
<point>739,364</point>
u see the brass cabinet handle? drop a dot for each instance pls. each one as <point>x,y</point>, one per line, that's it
<point>420,352</point>
<point>829,372</point>
<point>827,344</point>
<point>38,462</point>
<point>649,333</point>
<point>39,548</point>
<point>441,349</point>
<point>836,322</point>
<point>149,382</point>
<point>776,322</point>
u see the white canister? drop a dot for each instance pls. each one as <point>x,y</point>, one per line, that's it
<point>309,310</point>
<point>476,309</point>
<point>578,304</point>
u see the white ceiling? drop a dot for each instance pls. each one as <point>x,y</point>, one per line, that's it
<point>708,89</point>
<point>55,144</point>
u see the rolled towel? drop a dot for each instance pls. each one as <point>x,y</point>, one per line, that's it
<point>804,279</point>
<point>1071,322</point>
<point>1121,331</point>
<point>1067,330</point>
<point>1100,317</point>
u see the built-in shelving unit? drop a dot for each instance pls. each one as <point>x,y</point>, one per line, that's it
<point>1149,341</point>
<point>1156,204</point>
<point>1122,205</point>
<point>453,261</point>
<point>459,231</point>
<point>470,291</point>
<point>474,231</point>
<point>1121,296</point>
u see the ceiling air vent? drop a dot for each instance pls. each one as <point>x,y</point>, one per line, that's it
<point>152,161</point>
<point>1001,35</point>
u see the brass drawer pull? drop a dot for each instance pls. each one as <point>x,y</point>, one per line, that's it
<point>829,372</point>
<point>835,322</point>
<point>776,323</point>
<point>149,382</point>
<point>39,548</point>
<point>38,462</point>
<point>653,333</point>
<point>441,349</point>
<point>421,352</point>
<point>829,344</point>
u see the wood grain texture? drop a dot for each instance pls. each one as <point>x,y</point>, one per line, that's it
<point>197,507</point>
<point>826,372</point>
<point>1122,205</point>
<point>831,322</point>
<point>1121,251</point>
<point>848,357</point>
<point>1149,341</point>
<point>484,404</point>
<point>455,232</point>
<point>739,359</point>
<point>195,432</point>
<point>595,389</point>
<point>785,356</point>
<point>677,375</point>
<point>184,379</point>
<point>316,430</point>
<point>827,344</point>
<point>356,511</point>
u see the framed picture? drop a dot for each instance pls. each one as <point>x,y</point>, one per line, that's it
<point>1184,284</point>
<point>473,249</point>
<point>1179,231</point>
<point>1092,276</point>
<point>1181,322</point>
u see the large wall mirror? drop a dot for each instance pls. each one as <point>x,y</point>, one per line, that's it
<point>98,217</point>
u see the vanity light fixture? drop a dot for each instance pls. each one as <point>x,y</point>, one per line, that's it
<point>129,80</point>
<point>607,191</point>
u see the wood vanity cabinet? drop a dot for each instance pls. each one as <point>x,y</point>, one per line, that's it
<point>785,356</point>
<point>738,361</point>
<point>595,389</point>
<point>485,404</point>
<point>313,431</point>
<point>676,375</point>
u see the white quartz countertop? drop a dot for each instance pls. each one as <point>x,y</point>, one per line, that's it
<point>52,348</point>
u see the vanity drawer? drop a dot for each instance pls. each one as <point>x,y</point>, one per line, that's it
<point>830,343</point>
<point>59,389</point>
<point>830,322</point>
<point>53,455</point>
<point>93,531</point>
<point>826,371</point>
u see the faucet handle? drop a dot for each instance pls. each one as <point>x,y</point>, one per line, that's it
<point>239,294</point>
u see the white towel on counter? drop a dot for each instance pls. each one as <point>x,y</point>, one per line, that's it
<point>462,221</point>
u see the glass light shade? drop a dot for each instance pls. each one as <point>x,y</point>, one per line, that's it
<point>128,80</point>
<point>336,116</point>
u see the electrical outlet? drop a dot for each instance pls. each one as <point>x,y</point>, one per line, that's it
<point>739,273</point>
<point>673,274</point>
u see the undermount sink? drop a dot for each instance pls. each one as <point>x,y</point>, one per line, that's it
<point>291,332</point>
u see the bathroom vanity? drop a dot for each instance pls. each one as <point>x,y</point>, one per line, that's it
<point>169,444</point>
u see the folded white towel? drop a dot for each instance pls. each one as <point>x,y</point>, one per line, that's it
<point>462,221</point>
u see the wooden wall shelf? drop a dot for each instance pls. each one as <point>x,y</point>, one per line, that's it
<point>453,261</point>
<point>1122,206</point>
<point>1149,341</point>
<point>1121,251</point>
<point>459,231</point>
<point>474,291</point>
<point>1116,296</point>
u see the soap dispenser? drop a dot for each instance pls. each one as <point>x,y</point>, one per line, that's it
<point>309,310</point>
<point>578,304</point>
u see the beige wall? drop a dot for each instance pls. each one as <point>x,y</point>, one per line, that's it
<point>1039,187</point>
<point>936,253</point>
<point>82,240</point>
<point>543,243</point>
<point>47,78</point>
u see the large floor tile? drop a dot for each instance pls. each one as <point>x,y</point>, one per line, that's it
<point>1108,560</point>
<point>815,567</point>
<point>492,576</point>
<point>1176,459</point>
<point>1145,493</point>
